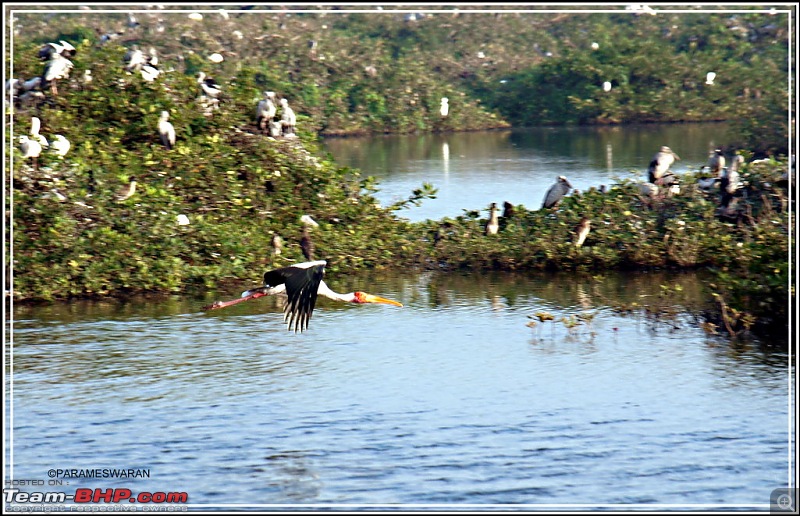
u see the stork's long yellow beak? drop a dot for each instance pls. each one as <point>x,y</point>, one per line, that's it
<point>369,298</point>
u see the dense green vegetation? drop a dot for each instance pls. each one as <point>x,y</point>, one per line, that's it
<point>378,73</point>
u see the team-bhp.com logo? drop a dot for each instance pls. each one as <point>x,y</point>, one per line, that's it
<point>86,495</point>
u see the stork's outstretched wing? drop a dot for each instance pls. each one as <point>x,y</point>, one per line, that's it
<point>302,285</point>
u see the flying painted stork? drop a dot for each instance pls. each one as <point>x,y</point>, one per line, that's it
<point>302,283</point>
<point>556,192</point>
<point>658,171</point>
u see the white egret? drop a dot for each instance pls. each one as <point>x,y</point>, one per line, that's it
<point>30,150</point>
<point>445,107</point>
<point>60,145</point>
<point>556,192</point>
<point>288,119</point>
<point>166,130</point>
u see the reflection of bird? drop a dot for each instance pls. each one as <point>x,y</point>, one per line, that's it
<point>492,225</point>
<point>581,231</point>
<point>166,130</point>
<point>556,192</point>
<point>127,191</point>
<point>302,283</point>
<point>658,170</point>
<point>307,245</point>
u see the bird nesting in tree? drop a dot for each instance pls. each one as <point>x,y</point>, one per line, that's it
<point>581,231</point>
<point>493,224</point>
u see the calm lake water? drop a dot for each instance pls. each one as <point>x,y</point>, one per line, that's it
<point>453,399</point>
<point>472,170</point>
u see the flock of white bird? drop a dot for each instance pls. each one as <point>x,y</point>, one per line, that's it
<point>58,65</point>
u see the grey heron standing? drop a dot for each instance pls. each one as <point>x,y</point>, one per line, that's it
<point>556,192</point>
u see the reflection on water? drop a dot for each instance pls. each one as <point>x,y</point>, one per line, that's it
<point>473,169</point>
<point>451,399</point>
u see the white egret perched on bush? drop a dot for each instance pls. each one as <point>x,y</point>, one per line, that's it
<point>710,77</point>
<point>60,145</point>
<point>607,86</point>
<point>30,150</point>
<point>556,192</point>
<point>36,125</point>
<point>302,283</point>
<point>445,108</point>
<point>166,130</point>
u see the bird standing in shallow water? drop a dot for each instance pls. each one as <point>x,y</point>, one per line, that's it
<point>302,283</point>
<point>166,130</point>
<point>493,224</point>
<point>556,192</point>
